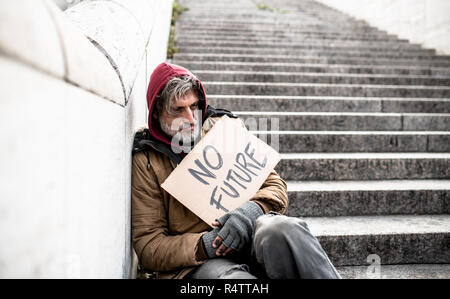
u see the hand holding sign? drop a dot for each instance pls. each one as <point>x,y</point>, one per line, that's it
<point>224,170</point>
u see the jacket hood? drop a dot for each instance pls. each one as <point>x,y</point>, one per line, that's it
<point>162,74</point>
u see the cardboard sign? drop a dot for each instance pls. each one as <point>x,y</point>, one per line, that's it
<point>225,169</point>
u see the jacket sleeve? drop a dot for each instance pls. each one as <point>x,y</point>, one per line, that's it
<point>272,196</point>
<point>156,249</point>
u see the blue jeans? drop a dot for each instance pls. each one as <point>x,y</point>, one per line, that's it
<point>282,248</point>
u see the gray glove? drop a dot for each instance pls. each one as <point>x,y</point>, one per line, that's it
<point>207,239</point>
<point>237,226</point>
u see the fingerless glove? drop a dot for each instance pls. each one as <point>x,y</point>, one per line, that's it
<point>237,226</point>
<point>207,239</point>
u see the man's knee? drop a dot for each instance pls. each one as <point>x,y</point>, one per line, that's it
<point>275,231</point>
<point>287,249</point>
<point>238,271</point>
<point>221,268</point>
<point>274,225</point>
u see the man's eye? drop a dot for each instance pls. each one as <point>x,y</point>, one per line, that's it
<point>195,105</point>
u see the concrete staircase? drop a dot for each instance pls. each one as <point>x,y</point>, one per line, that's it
<point>362,119</point>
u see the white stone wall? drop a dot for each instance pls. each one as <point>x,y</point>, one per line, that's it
<point>68,113</point>
<point>426,22</point>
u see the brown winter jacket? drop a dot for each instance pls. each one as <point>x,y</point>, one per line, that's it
<point>166,235</point>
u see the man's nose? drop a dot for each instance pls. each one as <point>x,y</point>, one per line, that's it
<point>189,115</point>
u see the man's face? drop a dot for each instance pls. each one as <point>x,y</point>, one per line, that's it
<point>183,118</point>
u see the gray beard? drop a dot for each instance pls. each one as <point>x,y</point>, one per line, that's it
<point>187,136</point>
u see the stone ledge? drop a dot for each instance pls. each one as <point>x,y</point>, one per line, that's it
<point>345,121</point>
<point>329,104</point>
<point>363,166</point>
<point>293,32</point>
<point>311,68</point>
<point>324,78</point>
<point>86,66</point>
<point>116,32</point>
<point>391,54</point>
<point>321,89</point>
<point>40,34</point>
<point>368,198</point>
<point>348,241</point>
<point>353,141</point>
<point>298,58</point>
<point>28,33</point>
<point>307,45</point>
<point>37,33</point>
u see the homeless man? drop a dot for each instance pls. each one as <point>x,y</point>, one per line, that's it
<point>253,241</point>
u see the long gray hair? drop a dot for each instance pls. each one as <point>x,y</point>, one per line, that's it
<point>176,88</point>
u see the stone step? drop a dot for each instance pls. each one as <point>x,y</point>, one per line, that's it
<point>241,41</point>
<point>308,45</point>
<point>356,141</point>
<point>303,6</point>
<point>328,104</point>
<point>312,68</point>
<point>312,52</point>
<point>318,89</point>
<point>328,78</point>
<point>368,198</point>
<point>261,15</point>
<point>239,13</point>
<point>281,29</point>
<point>286,26</point>
<point>206,9</point>
<point>274,30</point>
<point>307,39</point>
<point>363,166</point>
<point>236,5</point>
<point>230,6</point>
<point>411,271</point>
<point>294,34</point>
<point>405,239</point>
<point>257,15</point>
<point>281,23</point>
<point>345,121</point>
<point>267,22</point>
<point>297,59</point>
